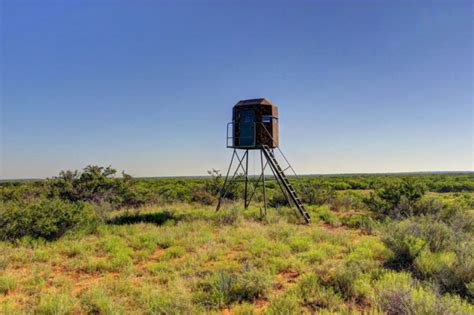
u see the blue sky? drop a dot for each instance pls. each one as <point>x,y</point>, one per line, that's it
<point>148,86</point>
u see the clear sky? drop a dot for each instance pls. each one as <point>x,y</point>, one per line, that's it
<point>148,86</point>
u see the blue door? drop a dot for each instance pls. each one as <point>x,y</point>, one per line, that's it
<point>247,127</point>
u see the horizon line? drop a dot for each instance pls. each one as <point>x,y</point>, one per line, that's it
<point>310,174</point>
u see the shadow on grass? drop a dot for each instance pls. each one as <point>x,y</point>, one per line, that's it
<point>156,218</point>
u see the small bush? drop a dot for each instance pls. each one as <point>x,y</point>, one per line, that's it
<point>434,251</point>
<point>224,288</point>
<point>96,184</point>
<point>362,222</point>
<point>394,293</point>
<point>278,199</point>
<point>96,301</point>
<point>174,252</point>
<point>453,304</point>
<point>46,218</point>
<point>285,304</point>
<point>56,304</point>
<point>407,238</point>
<point>119,253</point>
<point>318,194</point>
<point>397,293</point>
<point>7,284</point>
<point>229,217</point>
<point>172,300</point>
<point>299,244</point>
<point>217,290</point>
<point>316,296</point>
<point>201,195</point>
<point>352,277</point>
<point>396,199</point>
<point>314,256</point>
<point>244,308</point>
<point>430,264</point>
<point>252,284</point>
<point>323,213</point>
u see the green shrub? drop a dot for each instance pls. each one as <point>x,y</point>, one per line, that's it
<point>299,244</point>
<point>434,251</point>
<point>362,222</point>
<point>394,293</point>
<point>316,296</point>
<point>224,288</point>
<point>119,253</point>
<point>201,195</point>
<point>245,308</point>
<point>45,218</point>
<point>217,290</point>
<point>98,185</point>
<point>460,278</point>
<point>430,264</point>
<point>326,215</point>
<point>352,200</point>
<point>170,300</point>
<point>252,284</point>
<point>348,280</point>
<point>318,194</point>
<point>214,185</point>
<point>453,304</point>
<point>7,284</point>
<point>407,238</point>
<point>449,272</point>
<point>173,252</point>
<point>428,206</point>
<point>397,293</point>
<point>352,277</point>
<point>278,199</point>
<point>21,192</point>
<point>396,198</point>
<point>96,301</point>
<point>231,216</point>
<point>56,304</point>
<point>313,256</point>
<point>285,304</point>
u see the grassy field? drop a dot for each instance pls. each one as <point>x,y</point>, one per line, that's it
<point>185,258</point>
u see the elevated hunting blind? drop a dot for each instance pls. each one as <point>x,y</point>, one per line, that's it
<point>254,126</point>
<point>254,123</point>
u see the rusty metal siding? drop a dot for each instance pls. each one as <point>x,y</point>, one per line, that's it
<point>266,133</point>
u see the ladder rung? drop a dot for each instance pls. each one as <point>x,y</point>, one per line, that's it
<point>285,182</point>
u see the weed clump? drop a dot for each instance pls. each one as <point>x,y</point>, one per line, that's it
<point>225,287</point>
<point>316,296</point>
<point>398,293</point>
<point>167,300</point>
<point>433,250</point>
<point>61,303</point>
<point>229,217</point>
<point>7,284</point>
<point>96,301</point>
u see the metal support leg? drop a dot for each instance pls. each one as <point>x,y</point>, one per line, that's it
<point>246,177</point>
<point>227,181</point>
<point>223,189</point>
<point>263,184</point>
<point>256,183</point>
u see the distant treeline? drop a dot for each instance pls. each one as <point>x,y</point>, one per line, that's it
<point>435,182</point>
